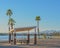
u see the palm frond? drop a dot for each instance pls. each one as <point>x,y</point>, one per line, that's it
<point>38,18</point>
<point>9,12</point>
<point>11,21</point>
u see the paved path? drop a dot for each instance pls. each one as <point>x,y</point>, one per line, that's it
<point>47,43</point>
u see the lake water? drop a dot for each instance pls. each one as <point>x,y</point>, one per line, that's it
<point>6,37</point>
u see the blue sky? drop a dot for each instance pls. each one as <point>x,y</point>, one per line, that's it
<point>25,11</point>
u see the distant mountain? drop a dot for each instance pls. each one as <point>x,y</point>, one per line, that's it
<point>48,31</point>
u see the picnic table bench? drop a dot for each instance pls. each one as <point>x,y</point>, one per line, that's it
<point>23,41</point>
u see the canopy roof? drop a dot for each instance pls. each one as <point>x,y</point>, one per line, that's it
<point>23,29</point>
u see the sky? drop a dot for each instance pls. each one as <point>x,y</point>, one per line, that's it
<point>25,11</point>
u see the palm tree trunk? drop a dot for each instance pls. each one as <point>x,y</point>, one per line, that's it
<point>14,38</point>
<point>9,32</point>
<point>9,35</point>
<point>38,29</point>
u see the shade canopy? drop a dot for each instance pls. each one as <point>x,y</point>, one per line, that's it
<point>23,29</point>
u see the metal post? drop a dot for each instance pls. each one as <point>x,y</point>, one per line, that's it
<point>28,38</point>
<point>35,38</point>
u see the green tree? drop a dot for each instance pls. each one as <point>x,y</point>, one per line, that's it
<point>9,13</point>
<point>44,36</point>
<point>38,19</point>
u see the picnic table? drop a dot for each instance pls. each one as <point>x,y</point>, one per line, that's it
<point>23,41</point>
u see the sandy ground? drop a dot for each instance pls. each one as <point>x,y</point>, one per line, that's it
<point>41,43</point>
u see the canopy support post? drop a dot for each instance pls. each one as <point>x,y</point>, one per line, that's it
<point>28,38</point>
<point>35,38</point>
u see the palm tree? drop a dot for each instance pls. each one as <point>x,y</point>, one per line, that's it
<point>11,22</point>
<point>38,19</point>
<point>9,13</point>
